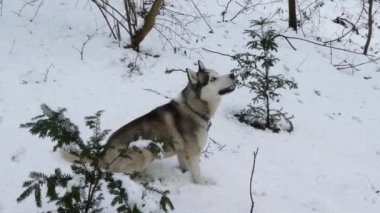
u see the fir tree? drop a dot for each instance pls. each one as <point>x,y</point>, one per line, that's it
<point>81,190</point>
<point>254,72</point>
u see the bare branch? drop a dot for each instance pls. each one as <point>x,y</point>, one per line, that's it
<point>244,8</point>
<point>180,13</point>
<point>224,12</point>
<point>13,45</point>
<point>131,25</point>
<point>251,179</point>
<point>200,13</point>
<point>113,9</point>
<point>29,3</point>
<point>319,44</point>
<point>107,21</point>
<point>89,38</point>
<point>166,38</point>
<point>47,72</point>
<point>219,53</point>
<point>180,36</point>
<point>36,12</point>
<point>207,150</point>
<point>158,93</point>
<point>168,71</point>
<point>353,26</point>
<point>354,66</point>
<point>248,6</point>
<point>220,146</point>
<point>291,45</point>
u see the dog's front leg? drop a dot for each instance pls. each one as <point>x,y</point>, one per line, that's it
<point>183,162</point>
<point>195,169</point>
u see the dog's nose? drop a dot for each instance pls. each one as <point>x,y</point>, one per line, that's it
<point>232,76</point>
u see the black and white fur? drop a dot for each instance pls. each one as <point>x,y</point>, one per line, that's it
<point>185,120</point>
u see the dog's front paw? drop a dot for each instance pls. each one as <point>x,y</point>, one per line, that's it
<point>205,181</point>
<point>183,169</point>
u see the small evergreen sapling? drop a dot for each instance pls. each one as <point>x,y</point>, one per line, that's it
<point>254,73</point>
<point>82,190</point>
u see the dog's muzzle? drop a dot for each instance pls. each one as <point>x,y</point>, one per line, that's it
<point>229,89</point>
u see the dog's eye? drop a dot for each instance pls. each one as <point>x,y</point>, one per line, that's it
<point>212,79</point>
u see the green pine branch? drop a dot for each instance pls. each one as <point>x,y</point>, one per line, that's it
<point>80,191</point>
<point>254,72</point>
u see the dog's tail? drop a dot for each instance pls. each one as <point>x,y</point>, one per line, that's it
<point>137,160</point>
<point>66,154</point>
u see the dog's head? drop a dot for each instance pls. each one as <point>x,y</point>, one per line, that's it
<point>208,84</point>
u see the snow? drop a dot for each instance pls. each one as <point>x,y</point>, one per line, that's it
<point>329,164</point>
<point>140,144</point>
<point>145,144</point>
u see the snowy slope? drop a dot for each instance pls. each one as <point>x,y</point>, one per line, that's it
<point>330,163</point>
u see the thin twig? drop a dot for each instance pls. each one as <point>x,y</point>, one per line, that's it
<point>177,28</point>
<point>104,8</point>
<point>251,179</point>
<point>331,55</point>
<point>249,5</point>
<point>81,50</point>
<point>319,44</point>
<point>133,66</point>
<point>224,12</point>
<point>347,65</point>
<point>76,4</point>
<point>168,71</point>
<point>29,3</point>
<point>179,13</point>
<point>244,8</point>
<point>158,93</point>
<point>301,22</point>
<point>207,151</point>
<point>290,43</point>
<point>353,28</point>
<point>107,21</point>
<point>200,13</point>
<point>38,8</point>
<point>219,53</point>
<point>166,38</point>
<point>220,146</point>
<point>287,38</point>
<point>47,72</point>
<point>13,45</point>
<point>174,32</point>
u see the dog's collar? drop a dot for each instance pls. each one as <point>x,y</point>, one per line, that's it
<point>200,115</point>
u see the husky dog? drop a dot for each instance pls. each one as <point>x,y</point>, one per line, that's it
<point>184,120</point>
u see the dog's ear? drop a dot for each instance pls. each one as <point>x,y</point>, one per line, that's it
<point>201,66</point>
<point>192,76</point>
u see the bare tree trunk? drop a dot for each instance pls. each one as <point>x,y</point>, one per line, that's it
<point>292,14</point>
<point>149,22</point>
<point>370,22</point>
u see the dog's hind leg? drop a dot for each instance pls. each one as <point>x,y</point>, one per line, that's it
<point>137,161</point>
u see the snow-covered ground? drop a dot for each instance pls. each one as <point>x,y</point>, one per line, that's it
<point>330,163</point>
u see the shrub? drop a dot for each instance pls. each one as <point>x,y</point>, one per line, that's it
<point>254,72</point>
<point>82,190</point>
